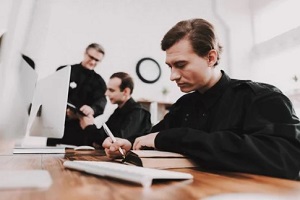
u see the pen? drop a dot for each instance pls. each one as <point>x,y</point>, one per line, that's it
<point>112,137</point>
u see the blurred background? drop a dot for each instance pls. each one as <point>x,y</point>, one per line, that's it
<point>261,38</point>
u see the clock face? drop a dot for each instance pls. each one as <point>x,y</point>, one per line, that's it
<point>148,70</point>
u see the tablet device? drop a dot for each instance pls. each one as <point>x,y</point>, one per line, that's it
<point>75,109</point>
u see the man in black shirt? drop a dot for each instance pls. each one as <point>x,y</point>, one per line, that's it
<point>129,120</point>
<point>86,92</point>
<point>222,123</point>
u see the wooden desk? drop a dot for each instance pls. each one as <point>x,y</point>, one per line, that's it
<point>74,185</point>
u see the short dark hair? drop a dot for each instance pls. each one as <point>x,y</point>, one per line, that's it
<point>199,32</point>
<point>126,80</point>
<point>96,46</point>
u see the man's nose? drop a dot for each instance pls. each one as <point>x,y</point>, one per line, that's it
<point>175,75</point>
<point>94,62</point>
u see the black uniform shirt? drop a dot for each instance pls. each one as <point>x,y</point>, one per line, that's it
<point>87,88</point>
<point>237,125</point>
<point>129,122</point>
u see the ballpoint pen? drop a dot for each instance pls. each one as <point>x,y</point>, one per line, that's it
<point>112,137</point>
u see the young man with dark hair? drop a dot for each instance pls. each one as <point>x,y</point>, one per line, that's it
<point>221,123</point>
<point>130,120</point>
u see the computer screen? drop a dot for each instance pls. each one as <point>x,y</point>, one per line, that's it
<point>17,89</point>
<point>48,111</point>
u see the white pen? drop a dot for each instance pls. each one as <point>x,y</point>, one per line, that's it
<point>112,137</point>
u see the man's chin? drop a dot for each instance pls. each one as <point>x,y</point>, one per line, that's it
<point>186,90</point>
<point>91,68</point>
<point>88,67</point>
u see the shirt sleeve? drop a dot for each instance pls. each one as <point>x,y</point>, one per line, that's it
<point>99,98</point>
<point>267,144</point>
<point>93,134</point>
<point>136,124</point>
<point>99,106</point>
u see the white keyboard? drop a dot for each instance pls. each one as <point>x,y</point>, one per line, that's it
<point>38,150</point>
<point>139,175</point>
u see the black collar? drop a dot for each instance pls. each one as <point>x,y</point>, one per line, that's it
<point>128,106</point>
<point>210,97</point>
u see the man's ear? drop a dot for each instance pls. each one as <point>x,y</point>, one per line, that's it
<point>127,91</point>
<point>212,57</point>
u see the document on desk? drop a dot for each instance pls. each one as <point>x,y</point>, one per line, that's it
<point>157,154</point>
<point>158,159</point>
<point>14,179</point>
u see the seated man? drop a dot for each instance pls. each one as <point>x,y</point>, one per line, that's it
<point>221,123</point>
<point>129,120</point>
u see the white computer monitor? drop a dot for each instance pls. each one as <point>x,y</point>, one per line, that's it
<point>17,89</point>
<point>48,112</point>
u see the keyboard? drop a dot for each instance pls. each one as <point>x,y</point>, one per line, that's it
<point>38,150</point>
<point>130,173</point>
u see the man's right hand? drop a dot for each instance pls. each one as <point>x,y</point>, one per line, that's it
<point>112,148</point>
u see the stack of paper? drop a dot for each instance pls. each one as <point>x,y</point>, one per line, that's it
<point>158,159</point>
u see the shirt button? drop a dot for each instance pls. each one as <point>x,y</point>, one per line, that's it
<point>186,117</point>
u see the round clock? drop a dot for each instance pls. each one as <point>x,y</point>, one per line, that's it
<point>148,70</point>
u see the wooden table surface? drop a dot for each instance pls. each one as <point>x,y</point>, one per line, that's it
<point>73,185</point>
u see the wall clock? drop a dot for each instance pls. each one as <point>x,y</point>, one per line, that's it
<point>148,70</point>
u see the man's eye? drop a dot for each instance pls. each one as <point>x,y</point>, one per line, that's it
<point>180,65</point>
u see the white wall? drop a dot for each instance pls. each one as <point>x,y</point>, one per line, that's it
<point>128,29</point>
<point>236,17</point>
<point>59,30</point>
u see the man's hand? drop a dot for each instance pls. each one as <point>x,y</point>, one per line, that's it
<point>85,121</point>
<point>146,141</point>
<point>71,114</point>
<point>112,148</point>
<point>87,110</point>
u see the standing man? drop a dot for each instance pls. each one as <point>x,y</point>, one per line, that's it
<point>130,120</point>
<point>222,123</point>
<point>86,92</point>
